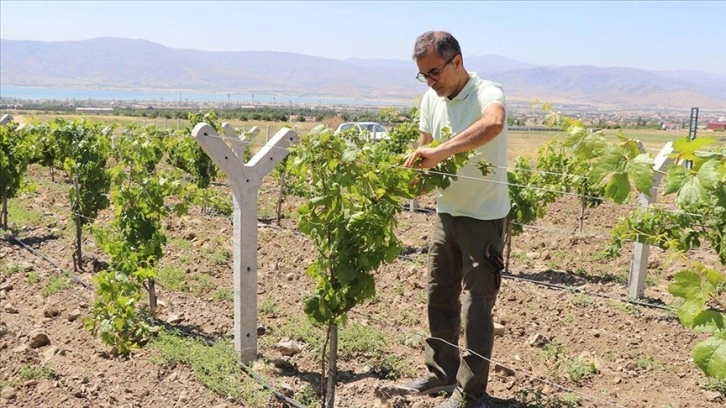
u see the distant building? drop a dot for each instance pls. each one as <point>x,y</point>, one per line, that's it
<point>718,124</point>
<point>94,109</point>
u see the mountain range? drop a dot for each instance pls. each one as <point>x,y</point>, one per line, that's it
<point>119,63</point>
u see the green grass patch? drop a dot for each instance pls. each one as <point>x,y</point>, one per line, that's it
<point>583,300</point>
<point>216,367</point>
<point>716,384</point>
<point>625,307</point>
<point>182,248</point>
<point>533,398</point>
<point>28,372</point>
<point>33,277</point>
<point>355,341</point>
<point>648,361</point>
<point>300,328</point>
<point>355,338</point>
<point>10,268</point>
<point>171,278</point>
<point>575,369</point>
<point>553,350</point>
<point>216,255</point>
<point>223,295</point>
<point>202,284</point>
<point>268,307</point>
<point>55,284</point>
<point>308,396</point>
<point>21,212</point>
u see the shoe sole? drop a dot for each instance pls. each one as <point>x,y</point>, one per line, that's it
<point>443,388</point>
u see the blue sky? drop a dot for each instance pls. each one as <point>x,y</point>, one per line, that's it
<point>652,35</point>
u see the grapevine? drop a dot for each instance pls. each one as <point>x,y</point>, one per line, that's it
<point>700,215</point>
<point>15,155</point>
<point>134,240</point>
<point>356,191</point>
<point>83,149</point>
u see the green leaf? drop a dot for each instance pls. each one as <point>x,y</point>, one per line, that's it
<point>618,189</point>
<point>714,277</point>
<point>641,170</point>
<point>689,310</point>
<point>611,160</point>
<point>708,321</point>
<point>676,177</point>
<point>687,148</point>
<point>710,356</point>
<point>709,175</point>
<point>691,193</point>
<point>687,285</point>
<point>392,251</point>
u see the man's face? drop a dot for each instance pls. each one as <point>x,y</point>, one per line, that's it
<point>438,72</point>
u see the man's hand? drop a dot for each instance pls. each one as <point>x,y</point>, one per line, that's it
<point>425,158</point>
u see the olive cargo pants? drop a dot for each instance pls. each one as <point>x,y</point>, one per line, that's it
<point>458,260</point>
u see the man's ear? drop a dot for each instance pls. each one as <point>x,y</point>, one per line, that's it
<point>458,61</point>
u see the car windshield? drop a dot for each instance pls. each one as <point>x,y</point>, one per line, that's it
<point>373,127</point>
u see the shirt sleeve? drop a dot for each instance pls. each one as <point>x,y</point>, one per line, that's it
<point>491,93</point>
<point>424,122</point>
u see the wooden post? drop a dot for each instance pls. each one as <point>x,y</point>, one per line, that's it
<point>245,180</point>
<point>639,262</point>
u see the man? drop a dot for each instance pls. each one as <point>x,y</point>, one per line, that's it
<point>469,226</point>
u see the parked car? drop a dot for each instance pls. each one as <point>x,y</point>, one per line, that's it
<point>375,130</point>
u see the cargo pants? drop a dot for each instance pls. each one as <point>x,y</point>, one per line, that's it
<point>463,283</point>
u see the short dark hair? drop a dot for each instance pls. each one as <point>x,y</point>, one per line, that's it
<point>444,43</point>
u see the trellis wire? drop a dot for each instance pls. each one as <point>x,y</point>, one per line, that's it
<point>481,179</point>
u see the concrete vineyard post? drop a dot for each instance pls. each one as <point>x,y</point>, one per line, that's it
<point>245,180</point>
<point>639,262</point>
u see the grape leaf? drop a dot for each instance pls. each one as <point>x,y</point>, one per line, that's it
<point>691,193</point>
<point>676,177</point>
<point>618,189</point>
<point>708,174</point>
<point>710,356</point>
<point>641,170</point>
<point>686,285</point>
<point>687,148</point>
<point>610,161</point>
<point>708,321</point>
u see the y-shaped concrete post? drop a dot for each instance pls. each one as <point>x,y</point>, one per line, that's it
<point>245,179</point>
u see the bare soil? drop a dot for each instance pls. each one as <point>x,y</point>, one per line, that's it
<point>641,353</point>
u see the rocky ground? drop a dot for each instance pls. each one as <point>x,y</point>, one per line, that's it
<point>582,346</point>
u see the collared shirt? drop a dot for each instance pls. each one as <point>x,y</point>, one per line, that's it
<point>473,195</point>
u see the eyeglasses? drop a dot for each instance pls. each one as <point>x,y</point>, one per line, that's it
<point>434,73</point>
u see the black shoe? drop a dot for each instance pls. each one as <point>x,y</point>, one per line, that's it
<point>428,385</point>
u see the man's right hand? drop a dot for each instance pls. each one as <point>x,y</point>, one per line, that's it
<point>425,158</point>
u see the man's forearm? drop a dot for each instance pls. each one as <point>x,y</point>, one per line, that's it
<point>476,135</point>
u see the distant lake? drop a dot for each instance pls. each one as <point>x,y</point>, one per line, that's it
<point>170,97</point>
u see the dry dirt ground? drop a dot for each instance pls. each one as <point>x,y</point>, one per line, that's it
<point>641,354</point>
